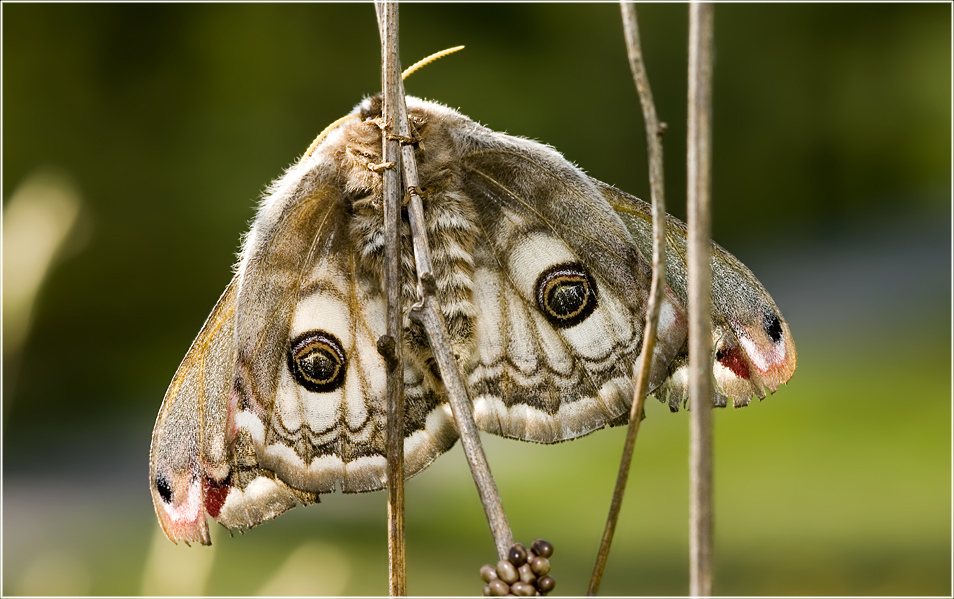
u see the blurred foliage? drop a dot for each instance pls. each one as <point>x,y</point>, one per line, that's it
<point>832,121</point>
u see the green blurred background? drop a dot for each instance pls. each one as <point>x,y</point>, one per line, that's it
<point>156,127</point>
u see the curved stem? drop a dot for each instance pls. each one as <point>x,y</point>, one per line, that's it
<point>654,142</point>
<point>432,318</point>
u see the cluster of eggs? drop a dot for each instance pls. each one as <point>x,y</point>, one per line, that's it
<point>525,572</point>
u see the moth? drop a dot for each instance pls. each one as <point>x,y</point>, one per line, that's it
<point>543,278</point>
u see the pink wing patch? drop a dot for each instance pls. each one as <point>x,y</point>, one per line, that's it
<point>182,509</point>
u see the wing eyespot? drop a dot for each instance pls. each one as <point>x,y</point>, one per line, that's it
<point>773,327</point>
<point>566,294</point>
<point>165,488</point>
<point>317,361</point>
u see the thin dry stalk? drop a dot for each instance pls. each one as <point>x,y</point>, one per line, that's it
<point>654,142</point>
<point>432,318</point>
<point>700,300</point>
<point>391,345</point>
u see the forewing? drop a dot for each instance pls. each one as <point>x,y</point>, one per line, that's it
<point>753,348</point>
<point>310,387</point>
<point>188,441</point>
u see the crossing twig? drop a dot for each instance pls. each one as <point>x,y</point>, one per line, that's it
<point>654,143</point>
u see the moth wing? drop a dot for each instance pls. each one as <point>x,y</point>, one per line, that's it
<point>560,294</point>
<point>188,439</point>
<point>190,460</point>
<point>310,386</point>
<point>753,348</point>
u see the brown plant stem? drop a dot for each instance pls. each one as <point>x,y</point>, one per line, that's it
<point>391,345</point>
<point>700,299</point>
<point>654,143</point>
<point>431,317</point>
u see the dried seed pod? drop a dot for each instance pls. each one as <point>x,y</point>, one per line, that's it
<point>546,584</point>
<point>488,573</point>
<point>540,565</point>
<point>498,588</point>
<point>522,589</point>
<point>542,547</point>
<point>518,554</point>
<point>507,572</point>
<point>527,574</point>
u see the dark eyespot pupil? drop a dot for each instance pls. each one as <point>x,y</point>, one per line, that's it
<point>318,364</point>
<point>566,294</point>
<point>317,361</point>
<point>773,327</point>
<point>164,488</point>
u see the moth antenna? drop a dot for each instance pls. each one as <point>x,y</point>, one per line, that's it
<point>323,134</point>
<point>417,65</point>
